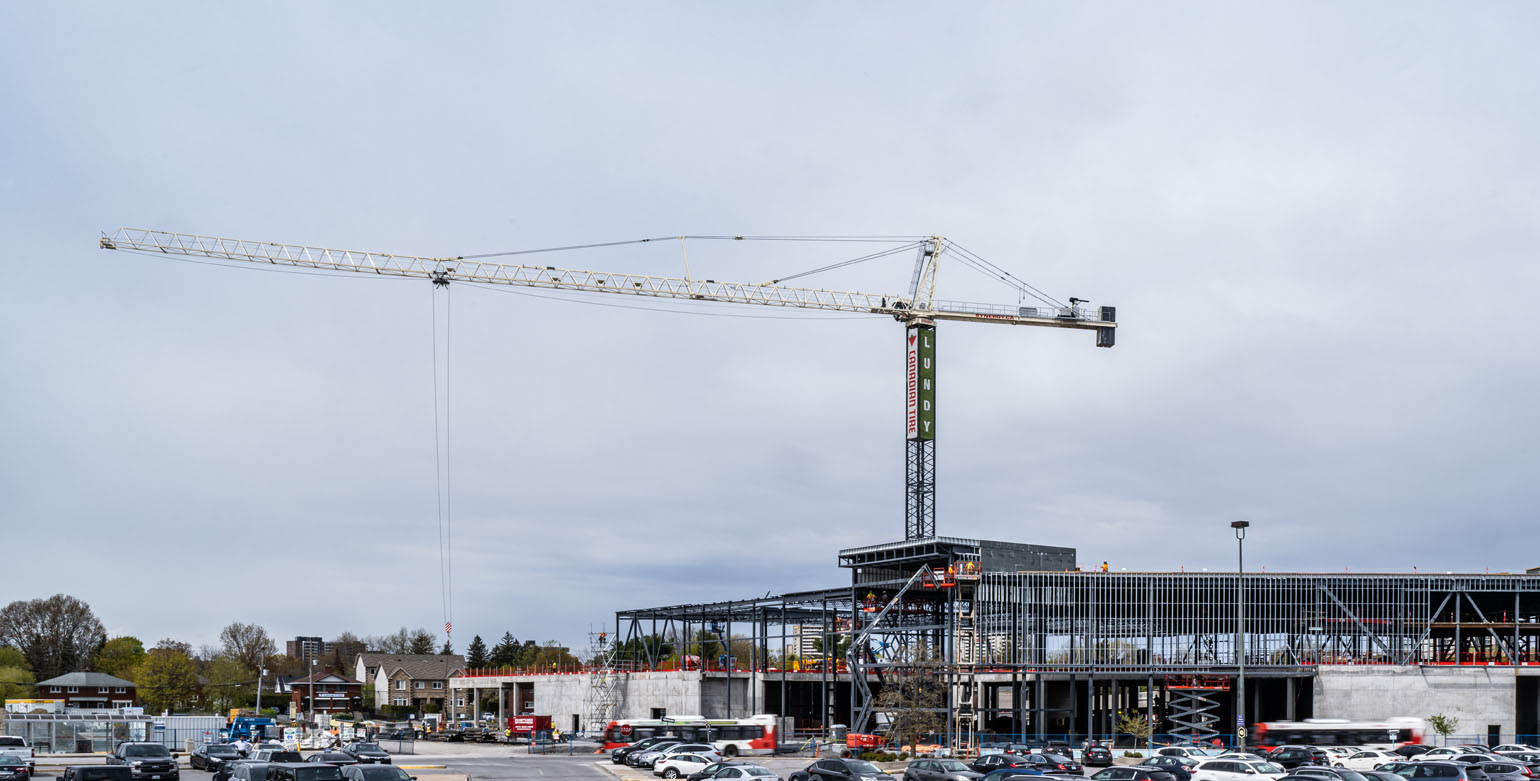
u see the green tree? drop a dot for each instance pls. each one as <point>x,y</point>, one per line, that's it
<point>167,679</point>
<point>1444,725</point>
<point>476,654</point>
<point>422,642</point>
<point>506,652</point>
<point>552,656</point>
<point>119,656</point>
<point>230,685</point>
<point>57,635</point>
<point>247,644</point>
<point>448,647</point>
<point>15,679</point>
<point>1135,724</point>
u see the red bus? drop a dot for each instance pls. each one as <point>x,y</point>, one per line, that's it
<point>732,737</point>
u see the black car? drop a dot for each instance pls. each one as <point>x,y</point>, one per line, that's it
<point>840,770</point>
<point>367,753</point>
<point>303,771</point>
<point>1290,757</point>
<point>97,773</point>
<point>14,768</point>
<point>375,773</point>
<point>618,756</point>
<point>1097,756</point>
<point>1411,750</point>
<point>991,762</point>
<point>1053,763</point>
<point>331,758</point>
<point>149,761</point>
<point>211,755</point>
<point>1330,773</point>
<point>1180,767</point>
<point>1381,775</point>
<point>246,771</point>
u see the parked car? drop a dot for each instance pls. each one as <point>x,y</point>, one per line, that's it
<point>1517,748</point>
<point>226,770</point>
<point>651,758</point>
<point>367,753</point>
<point>1366,760</point>
<point>271,755</point>
<point>1097,756</point>
<point>1411,750</point>
<point>1401,767</point>
<point>97,773</point>
<point>336,758</point>
<point>681,764</point>
<point>1507,771</point>
<point>1445,771</point>
<point>243,770</point>
<point>940,770</point>
<point>210,755</point>
<point>1441,754</point>
<point>710,770</point>
<point>1134,773</point>
<point>14,746</point>
<point>14,768</point>
<point>618,756</point>
<point>991,762</point>
<point>150,761</point>
<point>645,757</point>
<point>303,771</point>
<point>1191,752</point>
<point>1235,770</point>
<point>375,772</point>
<point>747,773</point>
<point>1181,767</point>
<point>1330,773</point>
<point>1053,763</point>
<point>1381,775</point>
<point>1005,773</point>
<point>1291,757</point>
<point>841,770</point>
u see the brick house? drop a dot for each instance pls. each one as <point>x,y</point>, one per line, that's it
<point>89,691</point>
<point>413,681</point>
<point>334,693</point>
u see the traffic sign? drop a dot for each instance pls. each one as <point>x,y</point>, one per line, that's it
<point>1241,733</point>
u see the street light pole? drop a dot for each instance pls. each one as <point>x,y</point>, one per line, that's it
<point>1240,632</point>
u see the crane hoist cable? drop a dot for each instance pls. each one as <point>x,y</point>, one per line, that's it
<point>443,475</point>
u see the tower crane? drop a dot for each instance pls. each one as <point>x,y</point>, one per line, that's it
<point>918,311</point>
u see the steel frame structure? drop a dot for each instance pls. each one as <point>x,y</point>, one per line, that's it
<point>1114,626</point>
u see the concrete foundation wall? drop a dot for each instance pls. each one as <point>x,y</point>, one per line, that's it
<point>1478,697</point>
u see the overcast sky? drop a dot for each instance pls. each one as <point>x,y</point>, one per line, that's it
<point>1318,221</point>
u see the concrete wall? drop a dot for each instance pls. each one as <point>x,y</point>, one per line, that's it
<point>1477,696</point>
<point>678,693</point>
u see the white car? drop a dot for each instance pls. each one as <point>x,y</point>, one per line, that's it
<point>1366,760</point>
<point>1191,752</point>
<point>681,764</point>
<point>1335,753</point>
<point>1236,770</point>
<point>1448,754</point>
<point>699,749</point>
<point>1517,748</point>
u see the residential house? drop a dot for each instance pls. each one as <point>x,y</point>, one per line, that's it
<point>334,693</point>
<point>416,681</point>
<point>89,691</point>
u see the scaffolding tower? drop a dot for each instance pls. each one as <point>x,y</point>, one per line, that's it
<point>605,687</point>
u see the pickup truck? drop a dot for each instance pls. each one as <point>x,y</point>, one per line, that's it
<point>146,761</point>
<point>17,747</point>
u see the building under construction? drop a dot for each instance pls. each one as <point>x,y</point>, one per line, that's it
<point>1028,646</point>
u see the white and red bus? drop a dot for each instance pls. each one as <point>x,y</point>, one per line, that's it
<point>1373,735</point>
<point>732,737</point>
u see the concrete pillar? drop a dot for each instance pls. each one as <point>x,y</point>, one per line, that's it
<point>1288,697</point>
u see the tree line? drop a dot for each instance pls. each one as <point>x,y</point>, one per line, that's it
<point>44,638</point>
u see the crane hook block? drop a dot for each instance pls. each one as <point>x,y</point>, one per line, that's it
<point>1106,337</point>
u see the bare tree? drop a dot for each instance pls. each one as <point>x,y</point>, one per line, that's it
<point>914,693</point>
<point>57,635</point>
<point>248,644</point>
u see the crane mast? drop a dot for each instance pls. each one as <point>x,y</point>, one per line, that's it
<point>918,311</point>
